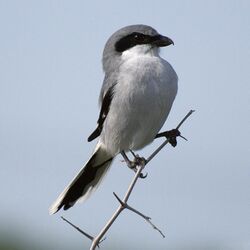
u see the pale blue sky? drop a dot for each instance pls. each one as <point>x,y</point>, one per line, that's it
<point>50,77</point>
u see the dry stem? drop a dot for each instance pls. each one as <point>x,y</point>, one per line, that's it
<point>123,203</point>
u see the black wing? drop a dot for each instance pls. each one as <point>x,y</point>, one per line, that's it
<point>103,113</point>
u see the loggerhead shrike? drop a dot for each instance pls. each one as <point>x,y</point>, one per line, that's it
<point>136,97</point>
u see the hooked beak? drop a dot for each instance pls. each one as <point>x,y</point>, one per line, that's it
<point>162,41</point>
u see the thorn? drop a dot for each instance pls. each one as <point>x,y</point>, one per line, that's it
<point>120,201</point>
<point>103,239</point>
<point>101,242</point>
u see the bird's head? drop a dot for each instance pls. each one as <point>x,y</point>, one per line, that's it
<point>134,38</point>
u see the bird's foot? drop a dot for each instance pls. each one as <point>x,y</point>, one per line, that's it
<point>134,164</point>
<point>138,161</point>
<point>171,135</point>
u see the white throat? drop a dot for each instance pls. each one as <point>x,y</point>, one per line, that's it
<point>140,50</point>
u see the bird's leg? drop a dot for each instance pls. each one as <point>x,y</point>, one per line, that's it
<point>139,161</point>
<point>171,135</point>
<point>136,162</point>
<point>126,159</point>
<point>132,152</point>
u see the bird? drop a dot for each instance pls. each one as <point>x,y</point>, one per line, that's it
<point>136,97</point>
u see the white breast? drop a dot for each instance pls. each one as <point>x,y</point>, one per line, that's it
<point>143,97</point>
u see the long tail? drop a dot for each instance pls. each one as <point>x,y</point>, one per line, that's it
<point>85,182</point>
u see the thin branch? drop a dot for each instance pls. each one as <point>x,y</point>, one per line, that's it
<point>119,209</point>
<point>145,217</point>
<point>185,118</point>
<point>139,164</point>
<point>166,141</point>
<point>78,229</point>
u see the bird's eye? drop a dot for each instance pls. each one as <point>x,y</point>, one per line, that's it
<point>130,41</point>
<point>138,36</point>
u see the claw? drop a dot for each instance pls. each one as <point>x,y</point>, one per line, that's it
<point>138,161</point>
<point>172,141</point>
<point>143,176</point>
<point>171,135</point>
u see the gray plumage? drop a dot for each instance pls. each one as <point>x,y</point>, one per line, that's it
<point>111,59</point>
<point>136,97</point>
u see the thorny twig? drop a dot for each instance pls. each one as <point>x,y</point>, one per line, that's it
<point>166,141</point>
<point>123,203</point>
